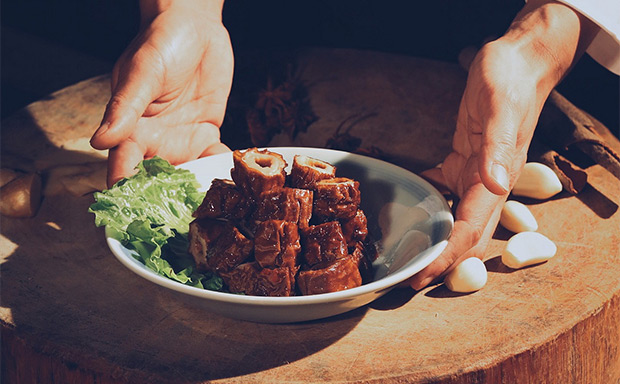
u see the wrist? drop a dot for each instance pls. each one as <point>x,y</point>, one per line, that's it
<point>549,37</point>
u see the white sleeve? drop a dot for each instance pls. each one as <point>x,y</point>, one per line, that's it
<point>605,48</point>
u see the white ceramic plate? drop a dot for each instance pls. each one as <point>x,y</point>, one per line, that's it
<point>410,220</point>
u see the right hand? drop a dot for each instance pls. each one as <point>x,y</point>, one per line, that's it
<point>508,83</point>
<point>169,90</point>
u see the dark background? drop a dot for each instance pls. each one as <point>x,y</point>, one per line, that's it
<point>50,44</point>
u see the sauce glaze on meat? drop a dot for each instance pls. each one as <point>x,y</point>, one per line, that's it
<point>267,233</point>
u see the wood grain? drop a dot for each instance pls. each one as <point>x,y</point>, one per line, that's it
<point>71,313</point>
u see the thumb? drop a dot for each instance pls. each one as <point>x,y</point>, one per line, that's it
<point>134,90</point>
<point>499,146</point>
<point>122,161</point>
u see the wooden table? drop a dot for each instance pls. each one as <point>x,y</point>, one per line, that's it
<point>71,313</point>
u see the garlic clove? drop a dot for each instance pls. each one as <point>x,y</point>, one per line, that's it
<point>537,181</point>
<point>516,217</point>
<point>527,248</point>
<point>469,276</point>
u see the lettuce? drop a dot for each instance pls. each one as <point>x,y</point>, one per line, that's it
<point>149,213</point>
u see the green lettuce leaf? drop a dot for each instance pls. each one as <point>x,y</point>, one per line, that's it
<point>149,213</point>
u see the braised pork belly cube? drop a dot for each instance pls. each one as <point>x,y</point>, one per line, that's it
<point>203,233</point>
<point>242,278</point>
<point>223,200</point>
<point>355,229</point>
<point>289,204</point>
<point>276,244</point>
<point>229,250</point>
<point>276,282</point>
<point>335,276</point>
<point>217,245</point>
<point>323,243</point>
<point>251,279</point>
<point>307,171</point>
<point>337,198</point>
<point>255,171</point>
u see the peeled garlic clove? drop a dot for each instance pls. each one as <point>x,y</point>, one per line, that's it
<point>516,217</point>
<point>527,248</point>
<point>469,276</point>
<point>537,181</point>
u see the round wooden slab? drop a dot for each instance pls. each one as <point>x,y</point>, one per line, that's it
<point>71,313</point>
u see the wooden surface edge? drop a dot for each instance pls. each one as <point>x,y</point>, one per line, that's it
<point>25,361</point>
<point>587,353</point>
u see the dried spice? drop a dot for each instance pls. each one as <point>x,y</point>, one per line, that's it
<point>284,108</point>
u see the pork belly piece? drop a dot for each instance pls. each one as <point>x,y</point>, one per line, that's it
<point>323,243</point>
<point>223,200</point>
<point>229,250</point>
<point>255,171</point>
<point>337,198</point>
<point>336,276</point>
<point>217,245</point>
<point>307,171</point>
<point>355,229</point>
<point>251,279</point>
<point>289,204</point>
<point>276,244</point>
<point>203,233</point>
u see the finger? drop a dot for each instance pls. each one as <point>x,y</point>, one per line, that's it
<point>122,161</point>
<point>215,149</point>
<point>437,179</point>
<point>476,218</point>
<point>499,144</point>
<point>479,250</point>
<point>463,237</point>
<point>137,86</point>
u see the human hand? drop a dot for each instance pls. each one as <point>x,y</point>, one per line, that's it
<point>169,89</point>
<point>508,83</point>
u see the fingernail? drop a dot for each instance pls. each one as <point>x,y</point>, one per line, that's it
<point>103,128</point>
<point>422,283</point>
<point>501,176</point>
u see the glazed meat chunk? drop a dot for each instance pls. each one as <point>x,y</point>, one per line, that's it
<point>255,171</point>
<point>337,198</point>
<point>231,249</point>
<point>323,243</point>
<point>223,200</point>
<point>203,233</point>
<point>355,229</point>
<point>218,245</point>
<point>288,204</point>
<point>335,276</point>
<point>306,172</point>
<point>251,279</point>
<point>276,244</point>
